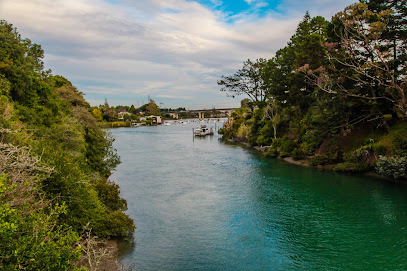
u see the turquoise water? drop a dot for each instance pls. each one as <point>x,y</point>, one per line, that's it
<point>202,204</point>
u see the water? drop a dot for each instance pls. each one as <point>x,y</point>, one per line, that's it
<point>202,204</point>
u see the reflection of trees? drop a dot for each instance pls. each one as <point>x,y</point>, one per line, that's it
<point>319,219</point>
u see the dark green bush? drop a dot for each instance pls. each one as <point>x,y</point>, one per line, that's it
<point>319,160</point>
<point>400,143</point>
<point>379,149</point>
<point>350,167</point>
<point>287,146</point>
<point>298,154</point>
<point>272,152</point>
<point>117,224</point>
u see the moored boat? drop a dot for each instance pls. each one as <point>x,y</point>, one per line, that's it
<point>203,131</point>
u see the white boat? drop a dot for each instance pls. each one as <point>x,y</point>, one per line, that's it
<point>203,131</point>
<point>168,123</point>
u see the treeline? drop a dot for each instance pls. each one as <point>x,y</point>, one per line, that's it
<point>335,94</point>
<point>123,112</point>
<point>55,196</point>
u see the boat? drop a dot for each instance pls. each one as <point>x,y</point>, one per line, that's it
<point>203,131</point>
<point>168,123</point>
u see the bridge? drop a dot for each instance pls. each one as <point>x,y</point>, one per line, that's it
<point>201,113</point>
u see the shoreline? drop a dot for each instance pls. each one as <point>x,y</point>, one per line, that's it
<point>307,162</point>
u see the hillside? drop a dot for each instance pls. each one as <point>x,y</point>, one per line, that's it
<point>55,195</point>
<point>336,94</point>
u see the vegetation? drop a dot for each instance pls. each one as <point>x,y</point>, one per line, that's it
<point>54,164</point>
<point>336,93</point>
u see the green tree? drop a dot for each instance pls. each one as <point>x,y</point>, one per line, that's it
<point>152,109</point>
<point>248,80</point>
<point>363,57</point>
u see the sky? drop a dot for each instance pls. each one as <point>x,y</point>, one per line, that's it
<point>172,51</point>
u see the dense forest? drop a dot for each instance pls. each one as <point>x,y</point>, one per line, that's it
<point>334,96</point>
<point>55,196</point>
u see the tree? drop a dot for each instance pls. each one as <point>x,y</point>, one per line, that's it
<point>97,114</point>
<point>248,80</point>
<point>272,112</point>
<point>109,114</point>
<point>396,31</point>
<point>363,57</point>
<point>152,109</point>
<point>305,48</point>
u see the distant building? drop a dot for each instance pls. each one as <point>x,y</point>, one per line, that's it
<point>155,119</point>
<point>121,115</point>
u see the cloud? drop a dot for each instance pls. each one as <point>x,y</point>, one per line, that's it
<point>174,50</point>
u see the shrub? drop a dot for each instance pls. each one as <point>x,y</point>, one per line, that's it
<point>400,143</point>
<point>350,167</point>
<point>277,142</point>
<point>298,154</point>
<point>379,149</point>
<point>394,167</point>
<point>319,160</point>
<point>272,152</point>
<point>287,146</point>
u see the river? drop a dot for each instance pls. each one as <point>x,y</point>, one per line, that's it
<point>203,204</point>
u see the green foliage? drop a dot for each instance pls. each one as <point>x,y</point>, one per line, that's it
<point>320,160</point>
<point>152,109</point>
<point>301,152</point>
<point>248,80</point>
<point>272,152</point>
<point>379,149</point>
<point>333,84</point>
<point>399,143</point>
<point>287,147</point>
<point>45,203</point>
<point>349,167</point>
<point>109,194</point>
<point>394,167</point>
<point>30,236</point>
<point>115,224</point>
<point>238,119</point>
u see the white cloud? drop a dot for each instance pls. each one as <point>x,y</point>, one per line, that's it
<point>173,49</point>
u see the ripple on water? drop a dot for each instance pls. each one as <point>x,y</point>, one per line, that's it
<point>202,205</point>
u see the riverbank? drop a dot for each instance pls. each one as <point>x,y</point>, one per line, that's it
<point>306,162</point>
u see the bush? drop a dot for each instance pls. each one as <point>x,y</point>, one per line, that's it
<point>379,149</point>
<point>319,160</point>
<point>400,143</point>
<point>394,167</point>
<point>277,142</point>
<point>287,146</point>
<point>272,152</point>
<point>350,167</point>
<point>298,154</point>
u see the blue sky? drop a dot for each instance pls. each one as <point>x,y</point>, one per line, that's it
<point>236,7</point>
<point>172,50</point>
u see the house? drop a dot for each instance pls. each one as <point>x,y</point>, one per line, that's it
<point>122,114</point>
<point>155,119</point>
